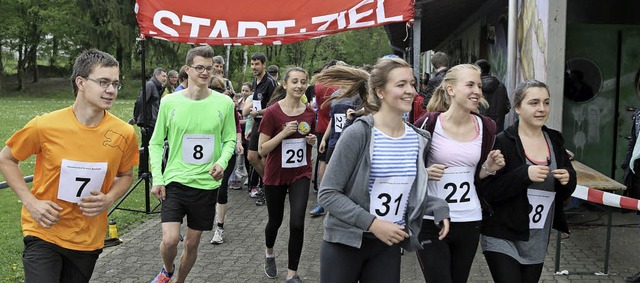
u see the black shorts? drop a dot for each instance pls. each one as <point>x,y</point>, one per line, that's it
<point>328,152</point>
<point>49,263</point>
<point>322,156</point>
<point>255,134</point>
<point>198,205</point>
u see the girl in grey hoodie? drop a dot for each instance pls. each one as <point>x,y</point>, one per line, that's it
<point>375,186</point>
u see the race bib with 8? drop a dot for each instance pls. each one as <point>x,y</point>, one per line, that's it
<point>540,202</point>
<point>197,148</point>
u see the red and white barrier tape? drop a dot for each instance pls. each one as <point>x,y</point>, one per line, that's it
<point>608,199</point>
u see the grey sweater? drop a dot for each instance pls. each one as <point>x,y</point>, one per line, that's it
<point>344,191</point>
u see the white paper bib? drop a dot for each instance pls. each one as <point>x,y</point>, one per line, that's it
<point>257,105</point>
<point>197,148</point>
<point>389,196</point>
<point>294,153</point>
<point>456,187</point>
<point>540,202</point>
<point>78,179</point>
<point>340,120</point>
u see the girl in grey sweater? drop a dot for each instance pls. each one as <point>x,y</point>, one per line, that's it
<point>374,188</point>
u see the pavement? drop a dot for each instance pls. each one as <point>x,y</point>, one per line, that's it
<point>240,258</point>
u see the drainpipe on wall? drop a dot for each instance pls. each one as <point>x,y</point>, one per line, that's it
<point>511,56</point>
<point>417,30</point>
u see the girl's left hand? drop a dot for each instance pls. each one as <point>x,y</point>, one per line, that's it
<point>561,175</point>
<point>444,230</point>
<point>311,139</point>
<point>495,160</point>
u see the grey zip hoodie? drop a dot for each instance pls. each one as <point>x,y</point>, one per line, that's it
<point>344,192</point>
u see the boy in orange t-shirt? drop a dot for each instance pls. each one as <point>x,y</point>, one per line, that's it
<point>84,163</point>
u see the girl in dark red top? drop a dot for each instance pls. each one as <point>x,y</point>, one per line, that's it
<point>285,141</point>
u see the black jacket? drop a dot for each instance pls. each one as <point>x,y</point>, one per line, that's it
<point>633,188</point>
<point>432,85</point>
<point>496,94</point>
<point>507,214</point>
<point>154,90</point>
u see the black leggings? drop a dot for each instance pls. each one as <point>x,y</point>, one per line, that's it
<point>506,269</point>
<point>374,261</point>
<point>298,196</point>
<point>449,260</point>
<point>223,195</point>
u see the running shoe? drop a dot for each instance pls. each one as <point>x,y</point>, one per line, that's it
<point>261,201</point>
<point>317,210</point>
<point>254,193</point>
<point>218,236</point>
<point>270,268</point>
<point>294,279</point>
<point>163,276</point>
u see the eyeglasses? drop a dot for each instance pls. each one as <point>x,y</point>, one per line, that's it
<point>105,83</point>
<point>201,69</point>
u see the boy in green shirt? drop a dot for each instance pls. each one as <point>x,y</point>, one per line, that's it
<point>200,128</point>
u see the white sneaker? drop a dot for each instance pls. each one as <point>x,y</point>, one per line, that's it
<point>254,192</point>
<point>218,236</point>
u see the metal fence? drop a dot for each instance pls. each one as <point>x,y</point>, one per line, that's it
<point>27,179</point>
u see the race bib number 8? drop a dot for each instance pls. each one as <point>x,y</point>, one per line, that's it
<point>388,199</point>
<point>294,153</point>
<point>340,120</point>
<point>540,202</point>
<point>197,148</point>
<point>78,179</point>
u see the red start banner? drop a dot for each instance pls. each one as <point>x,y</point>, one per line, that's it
<point>263,22</point>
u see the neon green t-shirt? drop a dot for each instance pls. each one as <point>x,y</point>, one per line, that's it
<point>199,132</point>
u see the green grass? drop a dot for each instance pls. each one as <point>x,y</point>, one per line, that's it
<point>17,109</point>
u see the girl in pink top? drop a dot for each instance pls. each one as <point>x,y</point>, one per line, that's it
<point>460,154</point>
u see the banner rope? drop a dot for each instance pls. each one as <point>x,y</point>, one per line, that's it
<point>608,199</point>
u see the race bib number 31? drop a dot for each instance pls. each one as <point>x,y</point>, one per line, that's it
<point>197,148</point>
<point>294,153</point>
<point>388,200</point>
<point>78,179</point>
<point>540,202</point>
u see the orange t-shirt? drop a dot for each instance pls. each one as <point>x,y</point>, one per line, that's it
<point>71,157</point>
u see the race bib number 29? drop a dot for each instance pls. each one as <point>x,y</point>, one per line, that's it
<point>78,179</point>
<point>294,153</point>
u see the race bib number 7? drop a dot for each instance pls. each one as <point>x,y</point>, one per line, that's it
<point>78,179</point>
<point>197,148</point>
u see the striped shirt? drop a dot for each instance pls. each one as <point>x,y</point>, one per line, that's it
<point>393,157</point>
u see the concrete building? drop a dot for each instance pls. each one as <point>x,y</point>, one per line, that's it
<point>587,51</point>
